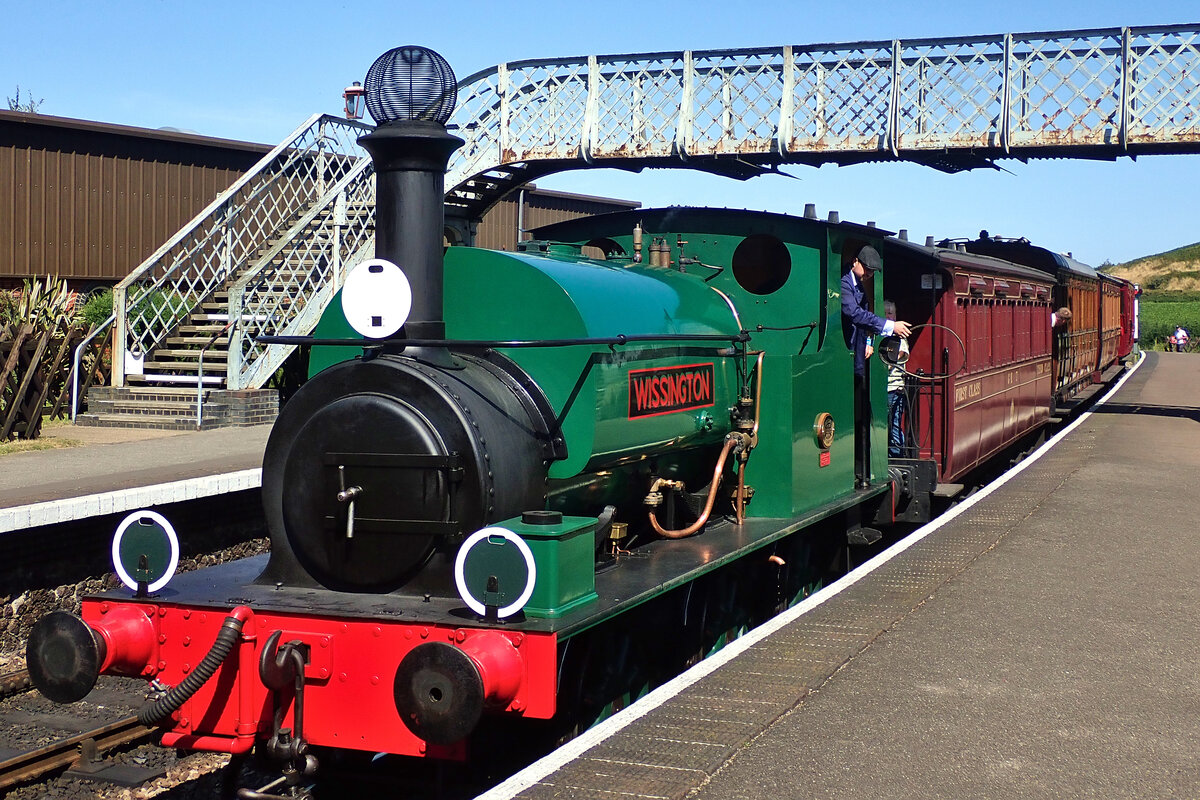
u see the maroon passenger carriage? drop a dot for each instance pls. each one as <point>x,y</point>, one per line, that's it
<point>1130,293</point>
<point>980,365</point>
<point>987,368</point>
<point>1101,330</point>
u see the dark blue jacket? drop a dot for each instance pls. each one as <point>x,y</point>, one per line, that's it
<point>858,323</point>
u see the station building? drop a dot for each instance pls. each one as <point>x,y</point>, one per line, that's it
<point>89,201</point>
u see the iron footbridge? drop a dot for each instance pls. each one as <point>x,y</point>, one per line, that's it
<point>949,103</point>
<point>269,253</point>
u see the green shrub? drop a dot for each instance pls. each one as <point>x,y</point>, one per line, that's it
<point>1168,297</point>
<point>1158,282</point>
<point>167,302</point>
<point>160,304</point>
<point>8,309</point>
<point>1190,252</point>
<point>44,302</point>
<point>98,308</point>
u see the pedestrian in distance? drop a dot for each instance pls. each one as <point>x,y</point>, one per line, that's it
<point>1181,339</point>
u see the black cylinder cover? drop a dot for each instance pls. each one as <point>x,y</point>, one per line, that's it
<point>375,466</point>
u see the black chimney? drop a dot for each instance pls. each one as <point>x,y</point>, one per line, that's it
<point>411,93</point>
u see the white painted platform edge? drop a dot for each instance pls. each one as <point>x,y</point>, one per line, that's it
<point>70,509</point>
<point>594,736</point>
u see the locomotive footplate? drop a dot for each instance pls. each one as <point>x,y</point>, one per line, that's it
<point>408,655</point>
<point>660,566</point>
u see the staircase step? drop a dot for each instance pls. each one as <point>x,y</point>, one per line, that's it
<point>259,297</point>
<point>279,269</point>
<point>145,421</point>
<point>212,354</point>
<point>184,380</point>
<point>163,408</point>
<point>144,394</point>
<point>212,315</point>
<point>174,408</point>
<point>201,330</point>
<point>184,366</point>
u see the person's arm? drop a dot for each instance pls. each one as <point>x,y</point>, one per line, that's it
<point>861,316</point>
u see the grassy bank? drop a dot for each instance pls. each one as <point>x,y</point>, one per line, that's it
<point>1162,312</point>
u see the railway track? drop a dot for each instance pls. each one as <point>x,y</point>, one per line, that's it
<point>14,683</point>
<point>63,753</point>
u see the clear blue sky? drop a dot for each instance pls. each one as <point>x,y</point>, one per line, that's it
<point>255,70</point>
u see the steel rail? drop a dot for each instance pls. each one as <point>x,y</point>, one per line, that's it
<point>63,753</point>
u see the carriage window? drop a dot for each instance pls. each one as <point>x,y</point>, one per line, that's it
<point>761,264</point>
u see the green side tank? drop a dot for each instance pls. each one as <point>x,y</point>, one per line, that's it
<point>618,401</point>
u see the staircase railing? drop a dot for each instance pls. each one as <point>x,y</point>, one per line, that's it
<point>231,232</point>
<point>286,290</point>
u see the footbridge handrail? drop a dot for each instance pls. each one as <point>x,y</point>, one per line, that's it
<point>227,235</point>
<point>951,103</point>
<point>286,290</point>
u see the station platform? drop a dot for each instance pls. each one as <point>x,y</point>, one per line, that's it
<point>1038,640</point>
<point>110,472</point>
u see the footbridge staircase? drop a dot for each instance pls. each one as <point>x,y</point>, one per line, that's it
<point>265,257</point>
<point>269,253</point>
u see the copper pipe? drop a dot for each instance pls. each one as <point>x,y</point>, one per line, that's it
<point>741,471</point>
<point>730,443</point>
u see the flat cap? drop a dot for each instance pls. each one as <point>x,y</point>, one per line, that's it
<point>869,258</point>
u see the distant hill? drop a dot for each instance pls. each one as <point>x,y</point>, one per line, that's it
<point>1174,270</point>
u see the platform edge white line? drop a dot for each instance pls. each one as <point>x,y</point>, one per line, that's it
<point>70,509</point>
<point>539,769</point>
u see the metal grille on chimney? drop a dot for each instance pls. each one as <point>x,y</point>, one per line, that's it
<point>411,83</point>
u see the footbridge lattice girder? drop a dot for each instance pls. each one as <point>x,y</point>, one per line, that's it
<point>951,103</point>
